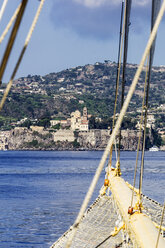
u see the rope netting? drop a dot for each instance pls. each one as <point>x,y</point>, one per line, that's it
<point>99,221</point>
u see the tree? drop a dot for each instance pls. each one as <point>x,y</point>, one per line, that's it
<point>76,144</point>
<point>57,126</point>
<point>45,122</point>
<point>157,140</point>
<point>27,124</point>
<point>1,123</point>
<point>92,123</point>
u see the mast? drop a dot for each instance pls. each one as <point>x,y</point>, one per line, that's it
<point>127,24</point>
<point>154,13</point>
<point>117,74</point>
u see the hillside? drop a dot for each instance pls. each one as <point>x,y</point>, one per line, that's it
<point>93,86</point>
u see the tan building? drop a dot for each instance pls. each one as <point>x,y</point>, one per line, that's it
<point>37,128</point>
<point>54,122</point>
<point>79,122</point>
<point>76,122</point>
<point>63,123</point>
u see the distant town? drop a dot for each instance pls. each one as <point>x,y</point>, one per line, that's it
<point>73,109</point>
<point>71,133</point>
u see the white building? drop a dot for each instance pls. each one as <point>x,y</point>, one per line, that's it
<point>54,122</point>
<point>79,122</point>
<point>76,122</point>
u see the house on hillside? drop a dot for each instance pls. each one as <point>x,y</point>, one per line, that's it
<point>75,122</point>
<point>79,122</point>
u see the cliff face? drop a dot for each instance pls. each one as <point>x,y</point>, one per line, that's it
<point>130,140</point>
<point>94,139</point>
<point>26,139</point>
<point>23,138</point>
<point>98,139</point>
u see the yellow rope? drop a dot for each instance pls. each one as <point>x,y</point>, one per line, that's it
<point>117,126</point>
<point>21,54</point>
<point>9,24</point>
<point>160,227</point>
<point>3,8</point>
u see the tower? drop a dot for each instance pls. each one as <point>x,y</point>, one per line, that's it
<point>85,114</point>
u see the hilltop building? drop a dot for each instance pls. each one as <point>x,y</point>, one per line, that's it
<point>79,122</point>
<point>150,122</point>
<point>75,122</point>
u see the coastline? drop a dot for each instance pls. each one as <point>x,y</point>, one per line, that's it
<point>65,140</point>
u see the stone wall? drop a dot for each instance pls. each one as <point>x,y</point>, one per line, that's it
<point>64,135</point>
<point>93,139</point>
<point>98,139</point>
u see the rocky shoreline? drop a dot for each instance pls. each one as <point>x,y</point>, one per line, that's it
<point>64,140</point>
<point>27,139</point>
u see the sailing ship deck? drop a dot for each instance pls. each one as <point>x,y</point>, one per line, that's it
<point>99,221</point>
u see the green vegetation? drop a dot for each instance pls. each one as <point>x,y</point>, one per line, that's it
<point>33,143</point>
<point>26,123</point>
<point>76,134</point>
<point>156,138</point>
<point>152,138</point>
<point>76,144</point>
<point>42,136</point>
<point>6,122</point>
<point>57,126</point>
<point>106,123</point>
<point>44,122</point>
<point>58,94</point>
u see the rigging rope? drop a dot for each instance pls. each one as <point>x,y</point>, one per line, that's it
<point>12,38</point>
<point>155,9</point>
<point>22,53</point>
<point>121,37</point>
<point>9,24</point>
<point>140,132</point>
<point>160,225</point>
<point>127,24</point>
<point>103,241</point>
<point>3,8</point>
<point>117,126</point>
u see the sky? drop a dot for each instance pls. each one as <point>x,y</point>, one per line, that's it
<point>73,33</point>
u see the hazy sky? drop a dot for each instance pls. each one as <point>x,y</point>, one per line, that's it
<point>70,33</point>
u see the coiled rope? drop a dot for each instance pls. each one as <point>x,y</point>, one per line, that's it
<point>117,126</point>
<point>22,53</point>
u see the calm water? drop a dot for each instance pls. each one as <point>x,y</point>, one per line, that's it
<point>41,192</point>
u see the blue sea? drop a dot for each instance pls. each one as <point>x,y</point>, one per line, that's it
<point>41,191</point>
